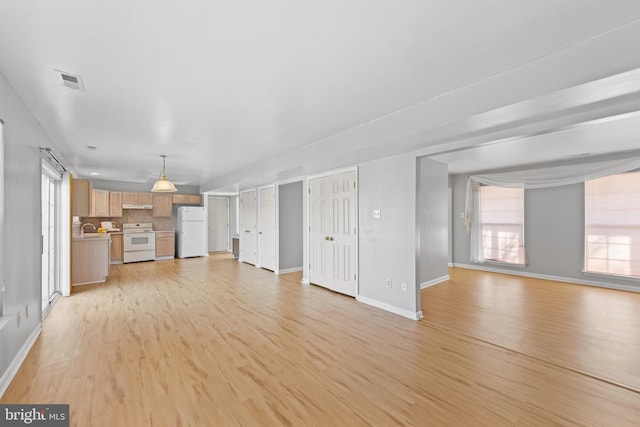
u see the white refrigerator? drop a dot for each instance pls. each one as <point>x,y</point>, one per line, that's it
<point>191,232</point>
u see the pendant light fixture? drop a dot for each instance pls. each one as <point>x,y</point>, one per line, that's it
<point>163,185</point>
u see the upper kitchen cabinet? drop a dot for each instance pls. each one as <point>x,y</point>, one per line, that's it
<point>162,205</point>
<point>99,203</point>
<point>81,197</point>
<point>187,199</point>
<point>115,204</point>
<point>145,198</point>
<point>129,198</point>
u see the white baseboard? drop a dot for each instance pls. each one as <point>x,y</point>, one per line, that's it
<point>434,282</point>
<point>607,285</point>
<point>17,361</point>
<point>391,308</point>
<point>305,281</point>
<point>451,264</point>
<point>288,270</point>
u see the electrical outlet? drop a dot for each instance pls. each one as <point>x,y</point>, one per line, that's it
<point>18,320</point>
<point>388,283</point>
<point>404,287</point>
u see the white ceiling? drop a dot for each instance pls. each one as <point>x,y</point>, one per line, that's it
<point>240,91</point>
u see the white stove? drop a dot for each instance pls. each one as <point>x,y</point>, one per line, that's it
<point>139,241</point>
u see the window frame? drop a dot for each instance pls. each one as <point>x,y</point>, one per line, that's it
<point>585,259</point>
<point>524,259</point>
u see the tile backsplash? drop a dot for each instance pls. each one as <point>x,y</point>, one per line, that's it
<point>134,215</point>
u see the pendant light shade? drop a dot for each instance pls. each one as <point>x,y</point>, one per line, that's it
<point>163,185</point>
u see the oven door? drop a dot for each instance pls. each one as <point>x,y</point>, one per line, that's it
<point>139,242</point>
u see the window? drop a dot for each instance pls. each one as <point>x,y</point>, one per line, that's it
<point>612,225</point>
<point>502,213</point>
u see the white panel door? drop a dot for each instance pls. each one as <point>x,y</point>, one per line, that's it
<point>333,232</point>
<point>218,223</point>
<point>248,226</point>
<point>267,229</point>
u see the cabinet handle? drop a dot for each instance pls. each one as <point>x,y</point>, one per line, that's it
<point>247,231</point>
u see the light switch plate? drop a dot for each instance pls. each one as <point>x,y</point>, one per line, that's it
<point>377,214</point>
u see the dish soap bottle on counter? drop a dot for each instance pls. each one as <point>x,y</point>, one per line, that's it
<point>75,226</point>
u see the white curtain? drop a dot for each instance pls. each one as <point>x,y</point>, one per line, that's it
<point>558,175</point>
<point>473,220</point>
<point>552,176</point>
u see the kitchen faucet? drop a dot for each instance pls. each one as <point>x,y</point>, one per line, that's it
<point>82,228</point>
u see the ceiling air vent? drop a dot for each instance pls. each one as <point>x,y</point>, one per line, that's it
<point>72,81</point>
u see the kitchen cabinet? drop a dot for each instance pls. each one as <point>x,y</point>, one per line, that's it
<point>145,198</point>
<point>89,259</point>
<point>162,205</point>
<point>130,198</point>
<point>116,248</point>
<point>187,199</point>
<point>99,203</point>
<point>165,245</point>
<point>80,197</point>
<point>115,204</point>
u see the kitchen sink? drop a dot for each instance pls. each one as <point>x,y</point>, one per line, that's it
<point>95,235</point>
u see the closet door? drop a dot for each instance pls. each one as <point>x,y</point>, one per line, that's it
<point>248,227</point>
<point>267,229</point>
<point>333,232</point>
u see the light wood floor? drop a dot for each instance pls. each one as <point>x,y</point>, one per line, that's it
<point>210,342</point>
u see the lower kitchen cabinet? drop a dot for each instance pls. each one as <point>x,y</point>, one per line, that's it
<point>165,245</point>
<point>89,260</point>
<point>116,248</point>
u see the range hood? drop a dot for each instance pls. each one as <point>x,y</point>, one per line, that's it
<point>136,206</point>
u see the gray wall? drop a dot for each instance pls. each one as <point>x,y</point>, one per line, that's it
<point>432,220</point>
<point>554,233</point>
<point>387,247</point>
<point>290,215</point>
<point>22,138</point>
<point>2,239</point>
<point>142,187</point>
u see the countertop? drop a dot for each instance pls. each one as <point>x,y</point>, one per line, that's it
<point>93,236</point>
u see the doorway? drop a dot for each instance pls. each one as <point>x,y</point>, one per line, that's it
<point>50,237</point>
<point>218,224</point>
<point>333,228</point>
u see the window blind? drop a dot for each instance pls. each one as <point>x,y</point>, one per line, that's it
<point>503,224</point>
<point>612,225</point>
